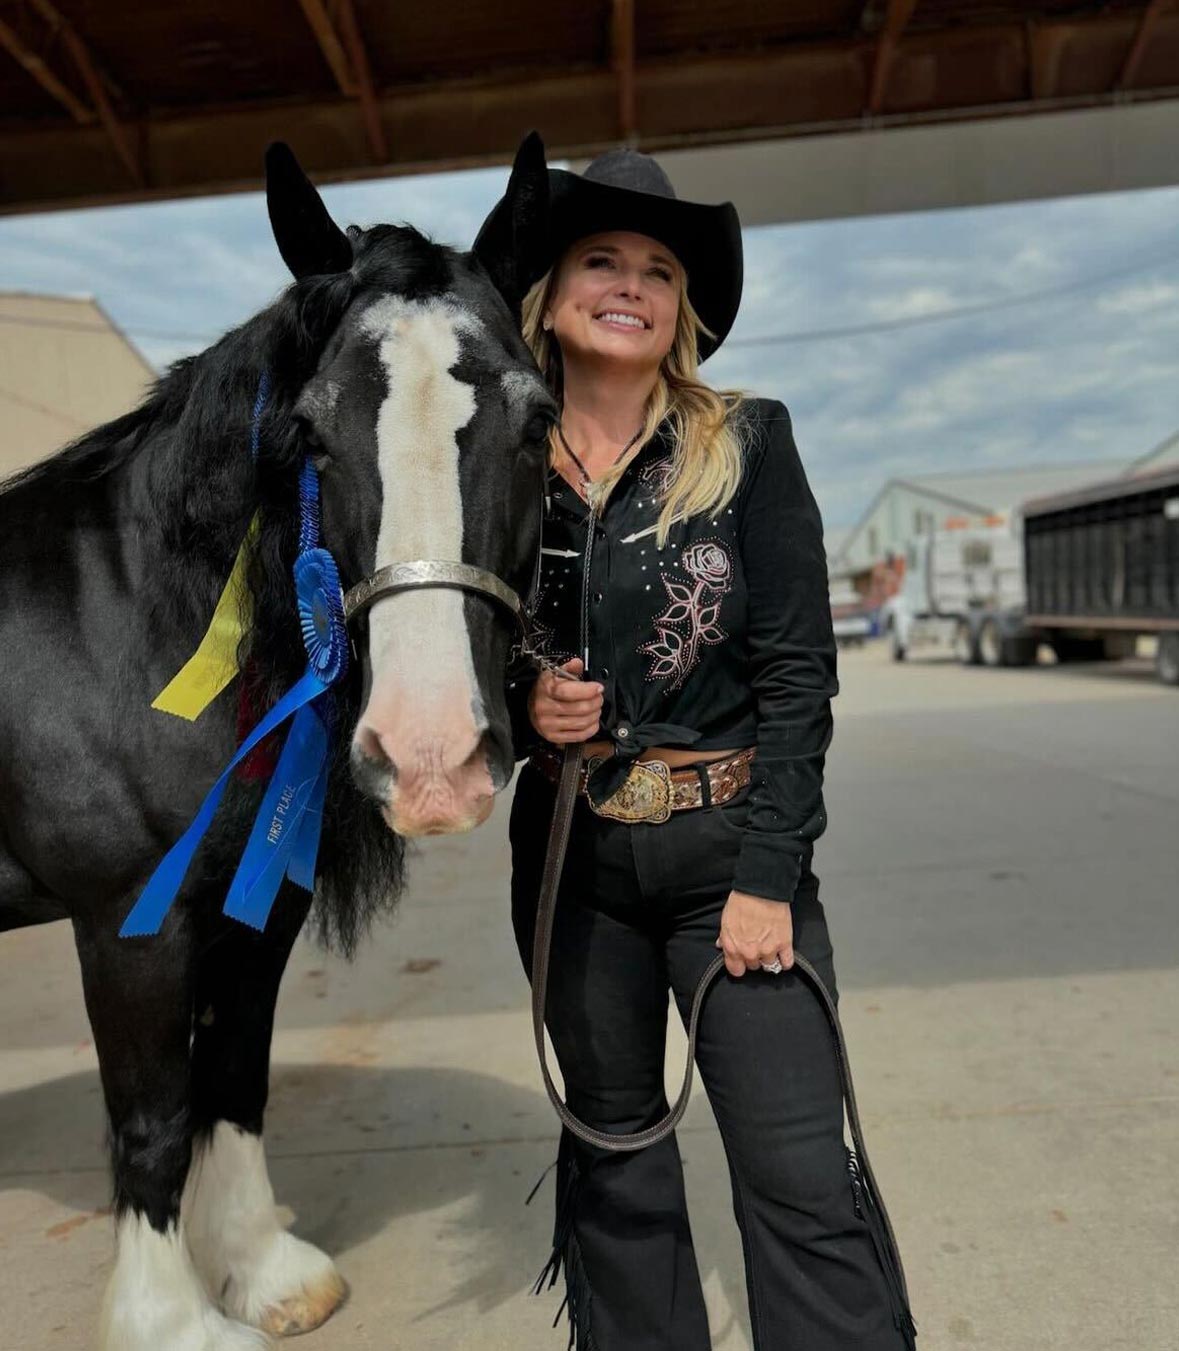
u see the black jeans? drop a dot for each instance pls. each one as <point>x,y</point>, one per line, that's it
<point>638,912</point>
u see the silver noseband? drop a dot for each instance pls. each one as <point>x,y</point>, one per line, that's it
<point>430,572</point>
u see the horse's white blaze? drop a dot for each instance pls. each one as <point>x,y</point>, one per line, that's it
<point>419,643</point>
<point>156,1299</point>
<point>250,1263</point>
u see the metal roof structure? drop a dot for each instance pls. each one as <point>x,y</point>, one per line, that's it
<point>1106,491</point>
<point>124,100</point>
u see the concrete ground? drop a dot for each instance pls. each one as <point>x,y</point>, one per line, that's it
<point>1000,878</point>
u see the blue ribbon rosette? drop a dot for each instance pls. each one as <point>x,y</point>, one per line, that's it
<point>284,839</point>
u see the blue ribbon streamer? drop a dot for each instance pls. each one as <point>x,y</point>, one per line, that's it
<point>149,910</point>
<point>280,822</point>
<point>301,869</point>
<point>284,840</point>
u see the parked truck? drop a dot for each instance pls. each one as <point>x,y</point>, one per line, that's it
<point>1087,572</point>
<point>852,621</point>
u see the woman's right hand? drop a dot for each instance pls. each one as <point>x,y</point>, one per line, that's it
<point>566,710</point>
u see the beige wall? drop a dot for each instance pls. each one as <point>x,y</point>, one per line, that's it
<point>64,368</point>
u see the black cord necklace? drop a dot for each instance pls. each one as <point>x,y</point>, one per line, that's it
<point>586,481</point>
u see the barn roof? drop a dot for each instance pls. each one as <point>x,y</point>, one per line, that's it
<point>109,100</point>
<point>997,490</point>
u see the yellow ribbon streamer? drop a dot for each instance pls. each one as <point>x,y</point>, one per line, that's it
<point>214,664</point>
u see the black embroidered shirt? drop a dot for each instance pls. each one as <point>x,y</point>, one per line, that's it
<point>721,638</point>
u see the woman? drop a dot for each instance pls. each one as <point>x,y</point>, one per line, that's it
<point>684,582</point>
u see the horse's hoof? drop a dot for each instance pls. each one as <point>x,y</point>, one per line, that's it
<point>307,1310</point>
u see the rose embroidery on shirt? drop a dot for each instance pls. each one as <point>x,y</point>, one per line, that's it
<point>708,562</point>
<point>693,607</point>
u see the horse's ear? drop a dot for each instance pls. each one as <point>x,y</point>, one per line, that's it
<point>308,239</point>
<point>512,238</point>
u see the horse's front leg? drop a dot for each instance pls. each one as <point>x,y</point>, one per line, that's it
<point>256,1269</point>
<point>139,999</point>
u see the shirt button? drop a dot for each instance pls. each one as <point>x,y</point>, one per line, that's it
<point>623,731</point>
<point>597,597</point>
<point>605,670</point>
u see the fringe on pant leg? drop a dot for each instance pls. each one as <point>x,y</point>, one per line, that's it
<point>566,1253</point>
<point>868,1208</point>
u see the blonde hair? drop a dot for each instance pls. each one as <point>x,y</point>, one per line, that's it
<point>706,460</point>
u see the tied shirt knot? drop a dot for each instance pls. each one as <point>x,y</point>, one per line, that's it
<point>628,742</point>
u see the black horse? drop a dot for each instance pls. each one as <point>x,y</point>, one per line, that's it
<point>397,365</point>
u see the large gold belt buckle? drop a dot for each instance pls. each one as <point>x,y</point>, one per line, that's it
<point>644,795</point>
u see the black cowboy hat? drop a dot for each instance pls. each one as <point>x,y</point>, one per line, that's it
<point>627,190</point>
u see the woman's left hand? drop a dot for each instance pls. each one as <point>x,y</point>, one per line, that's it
<point>754,931</point>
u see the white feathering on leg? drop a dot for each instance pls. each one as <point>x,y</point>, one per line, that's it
<point>254,1268</point>
<point>155,1298</point>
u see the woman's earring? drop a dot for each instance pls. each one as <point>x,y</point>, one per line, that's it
<point>546,323</point>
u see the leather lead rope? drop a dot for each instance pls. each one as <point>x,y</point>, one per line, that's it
<point>563,808</point>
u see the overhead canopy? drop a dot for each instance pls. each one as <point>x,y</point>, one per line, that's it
<point>118,100</point>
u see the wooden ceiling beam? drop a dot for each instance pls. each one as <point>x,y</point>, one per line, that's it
<point>1045,48</point>
<point>622,60</point>
<point>362,73</point>
<point>340,40</point>
<point>97,85</point>
<point>39,69</point>
<point>321,25</point>
<point>1150,16</point>
<point>896,20</point>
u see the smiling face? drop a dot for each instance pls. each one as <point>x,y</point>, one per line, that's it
<point>616,300</point>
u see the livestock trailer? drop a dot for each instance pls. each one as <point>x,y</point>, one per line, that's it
<point>1101,567</point>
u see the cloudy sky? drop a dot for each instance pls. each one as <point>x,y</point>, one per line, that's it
<point>1062,345</point>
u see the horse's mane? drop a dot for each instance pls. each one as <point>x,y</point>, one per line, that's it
<point>193,431</point>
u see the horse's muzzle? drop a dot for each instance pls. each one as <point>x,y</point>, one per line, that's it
<point>425,785</point>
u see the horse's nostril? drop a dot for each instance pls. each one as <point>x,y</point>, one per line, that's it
<point>368,743</point>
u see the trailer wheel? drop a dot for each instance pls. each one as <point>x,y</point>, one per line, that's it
<point>991,648</point>
<point>1166,662</point>
<point>1019,651</point>
<point>965,647</point>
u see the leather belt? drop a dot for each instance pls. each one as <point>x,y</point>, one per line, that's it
<point>653,790</point>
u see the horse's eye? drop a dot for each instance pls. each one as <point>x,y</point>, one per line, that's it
<point>536,429</point>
